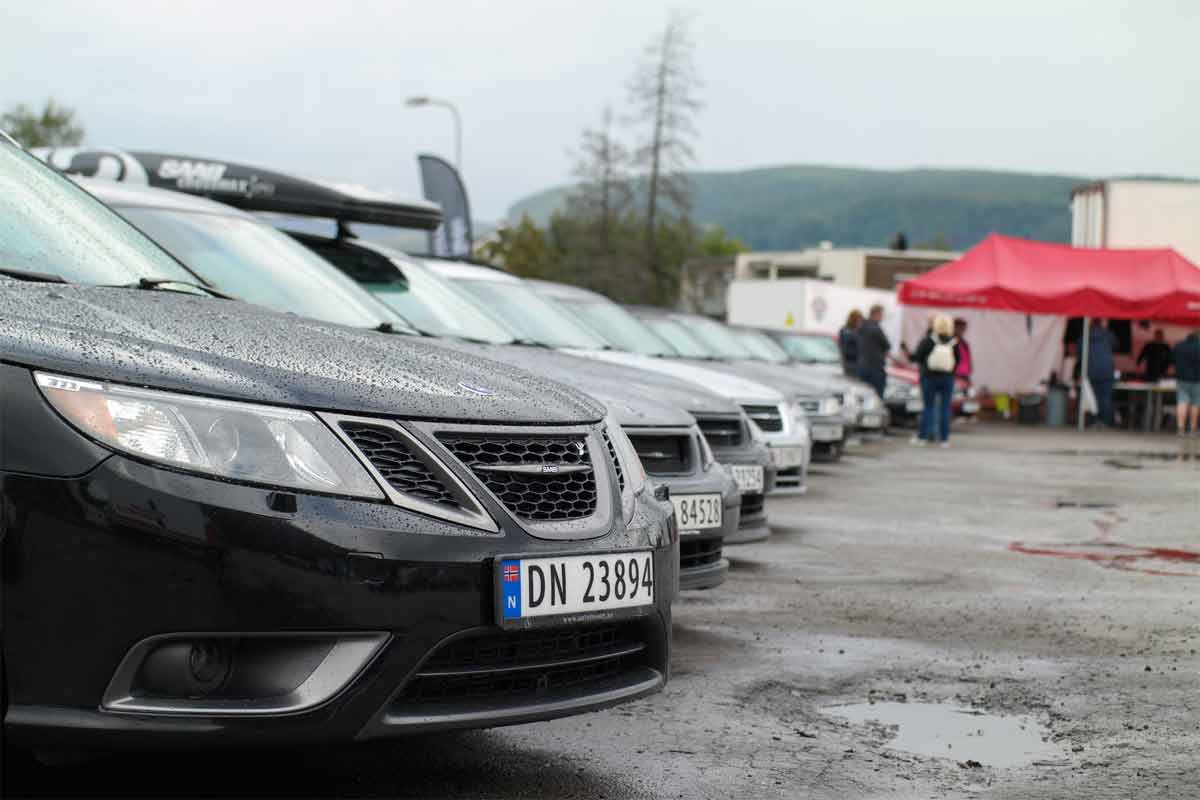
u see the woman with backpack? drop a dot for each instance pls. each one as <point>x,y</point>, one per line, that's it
<point>937,358</point>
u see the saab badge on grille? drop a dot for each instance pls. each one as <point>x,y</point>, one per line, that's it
<point>534,469</point>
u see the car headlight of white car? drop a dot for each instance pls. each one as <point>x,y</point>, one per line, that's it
<point>829,406</point>
<point>237,441</point>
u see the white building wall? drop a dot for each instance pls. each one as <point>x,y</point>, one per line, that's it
<point>1154,214</point>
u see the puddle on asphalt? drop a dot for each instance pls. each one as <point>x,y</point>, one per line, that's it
<point>962,734</point>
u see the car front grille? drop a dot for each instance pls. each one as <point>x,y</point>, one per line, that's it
<point>721,431</point>
<point>541,478</point>
<point>524,664</point>
<point>695,553</point>
<point>767,418</point>
<point>663,454</point>
<point>396,463</point>
<point>752,504</point>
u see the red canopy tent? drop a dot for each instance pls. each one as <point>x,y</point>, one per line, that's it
<point>1007,274</point>
<point>1003,273</point>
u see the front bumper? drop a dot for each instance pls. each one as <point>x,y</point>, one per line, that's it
<point>96,564</point>
<point>701,563</point>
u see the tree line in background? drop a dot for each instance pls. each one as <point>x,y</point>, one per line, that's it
<point>623,235</point>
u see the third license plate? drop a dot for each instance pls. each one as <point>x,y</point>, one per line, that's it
<point>748,478</point>
<point>826,433</point>
<point>697,511</point>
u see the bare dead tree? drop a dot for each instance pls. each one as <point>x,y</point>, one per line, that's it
<point>602,196</point>
<point>663,94</point>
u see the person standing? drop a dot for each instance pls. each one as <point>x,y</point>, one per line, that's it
<point>937,358</point>
<point>873,347</point>
<point>1101,369</point>
<point>1157,355</point>
<point>848,342</point>
<point>962,351</point>
<point>1187,385</point>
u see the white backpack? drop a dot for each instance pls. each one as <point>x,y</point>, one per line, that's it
<point>941,358</point>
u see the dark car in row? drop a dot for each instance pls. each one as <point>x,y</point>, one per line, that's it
<point>226,524</point>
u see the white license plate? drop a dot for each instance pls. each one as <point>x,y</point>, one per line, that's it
<point>748,478</point>
<point>970,406</point>
<point>542,587</point>
<point>697,512</point>
<point>787,457</point>
<point>826,433</point>
<point>914,405</point>
<point>872,421</point>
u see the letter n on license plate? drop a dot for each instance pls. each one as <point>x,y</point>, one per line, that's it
<point>530,588</point>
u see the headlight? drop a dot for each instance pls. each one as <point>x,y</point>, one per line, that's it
<point>239,441</point>
<point>829,406</point>
<point>631,463</point>
<point>799,416</point>
<point>869,401</point>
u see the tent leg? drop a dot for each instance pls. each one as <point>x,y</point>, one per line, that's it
<point>1083,367</point>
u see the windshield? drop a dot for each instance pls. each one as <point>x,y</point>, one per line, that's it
<point>763,347</point>
<point>811,349</point>
<point>720,341</point>
<point>678,337</point>
<point>50,225</point>
<point>257,263</point>
<point>528,315</point>
<point>437,306</point>
<point>615,325</point>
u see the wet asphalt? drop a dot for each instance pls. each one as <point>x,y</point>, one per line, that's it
<point>1046,578</point>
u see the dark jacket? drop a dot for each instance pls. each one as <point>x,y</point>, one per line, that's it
<point>1101,344</point>
<point>921,354</point>
<point>1187,359</point>
<point>1157,356</point>
<point>873,347</point>
<point>848,345</point>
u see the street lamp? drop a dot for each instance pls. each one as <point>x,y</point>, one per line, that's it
<point>425,100</point>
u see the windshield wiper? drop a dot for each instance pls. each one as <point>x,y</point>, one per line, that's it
<point>165,284</point>
<point>33,277</point>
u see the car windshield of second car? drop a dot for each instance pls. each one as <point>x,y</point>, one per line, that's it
<point>52,227</point>
<point>528,315</point>
<point>257,263</point>
<point>439,307</point>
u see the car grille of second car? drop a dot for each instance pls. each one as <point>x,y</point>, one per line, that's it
<point>663,454</point>
<point>512,666</point>
<point>721,432</point>
<point>699,552</point>
<point>538,497</point>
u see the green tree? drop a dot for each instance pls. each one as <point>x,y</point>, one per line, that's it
<point>716,243</point>
<point>938,242</point>
<point>522,250</point>
<point>54,126</point>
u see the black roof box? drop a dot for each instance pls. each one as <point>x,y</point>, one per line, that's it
<point>250,188</point>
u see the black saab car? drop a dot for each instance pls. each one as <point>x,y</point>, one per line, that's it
<point>243,254</point>
<point>223,524</point>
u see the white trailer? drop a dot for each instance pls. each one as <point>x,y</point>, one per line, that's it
<point>802,304</point>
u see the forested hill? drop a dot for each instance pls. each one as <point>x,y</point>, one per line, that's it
<point>778,208</point>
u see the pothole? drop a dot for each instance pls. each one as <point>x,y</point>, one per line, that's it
<point>961,734</point>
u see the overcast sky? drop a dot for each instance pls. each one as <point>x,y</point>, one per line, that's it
<point>1093,88</point>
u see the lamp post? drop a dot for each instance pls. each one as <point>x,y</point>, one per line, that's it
<point>424,100</point>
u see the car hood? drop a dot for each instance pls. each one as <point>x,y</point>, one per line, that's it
<point>168,340</point>
<point>729,386</point>
<point>630,395</point>
<point>778,376</point>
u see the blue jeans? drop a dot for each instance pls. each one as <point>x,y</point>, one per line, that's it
<point>925,425</point>
<point>941,393</point>
<point>876,377</point>
<point>1104,398</point>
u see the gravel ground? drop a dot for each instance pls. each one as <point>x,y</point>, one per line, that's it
<point>1010,574</point>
